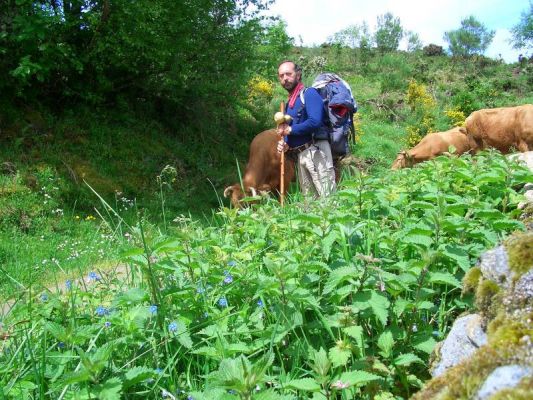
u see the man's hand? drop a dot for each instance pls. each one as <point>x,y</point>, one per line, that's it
<point>284,129</point>
<point>282,146</point>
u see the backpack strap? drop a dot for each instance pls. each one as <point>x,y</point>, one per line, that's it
<point>302,96</point>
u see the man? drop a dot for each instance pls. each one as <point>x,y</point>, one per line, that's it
<point>313,157</point>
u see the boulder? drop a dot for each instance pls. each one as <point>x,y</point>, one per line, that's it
<point>505,377</point>
<point>463,340</point>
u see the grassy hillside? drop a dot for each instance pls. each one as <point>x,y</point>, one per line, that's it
<point>152,168</point>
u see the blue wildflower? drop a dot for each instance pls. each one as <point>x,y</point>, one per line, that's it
<point>101,311</point>
<point>107,324</point>
<point>260,303</point>
<point>173,327</point>
<point>200,289</point>
<point>228,279</point>
<point>44,297</point>
<point>232,391</point>
<point>223,302</point>
<point>153,309</point>
<point>190,398</point>
<point>61,345</point>
<point>68,284</point>
<point>93,276</point>
<point>158,371</point>
<point>232,263</point>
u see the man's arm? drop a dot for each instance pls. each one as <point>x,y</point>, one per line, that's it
<point>314,108</point>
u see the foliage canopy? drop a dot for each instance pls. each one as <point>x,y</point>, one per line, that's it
<point>471,38</point>
<point>523,31</point>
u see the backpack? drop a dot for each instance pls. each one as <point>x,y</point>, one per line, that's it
<point>339,108</point>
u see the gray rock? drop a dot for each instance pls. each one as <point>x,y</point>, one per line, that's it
<point>526,158</point>
<point>458,346</point>
<point>475,331</point>
<point>494,265</point>
<point>523,288</point>
<point>505,377</point>
<point>528,199</point>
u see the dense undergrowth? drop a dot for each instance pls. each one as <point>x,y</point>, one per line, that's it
<point>339,298</point>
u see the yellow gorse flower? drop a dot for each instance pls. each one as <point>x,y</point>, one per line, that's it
<point>456,116</point>
<point>260,88</point>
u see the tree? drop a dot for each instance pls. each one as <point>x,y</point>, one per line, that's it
<point>275,45</point>
<point>100,51</point>
<point>471,38</point>
<point>523,31</point>
<point>388,34</point>
<point>353,36</point>
<point>413,41</point>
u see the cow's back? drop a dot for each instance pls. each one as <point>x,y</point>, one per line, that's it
<point>458,138</point>
<point>502,128</point>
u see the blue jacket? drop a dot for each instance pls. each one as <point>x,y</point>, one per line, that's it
<point>307,119</point>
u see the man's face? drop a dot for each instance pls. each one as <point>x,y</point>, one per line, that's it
<point>287,75</point>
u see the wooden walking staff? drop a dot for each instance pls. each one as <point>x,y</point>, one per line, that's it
<point>281,118</point>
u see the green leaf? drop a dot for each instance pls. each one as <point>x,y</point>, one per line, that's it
<point>304,384</point>
<point>327,243</point>
<point>507,225</point>
<point>136,375</point>
<point>386,343</point>
<point>132,296</point>
<point>407,359</point>
<point>358,378</point>
<point>425,344</point>
<point>313,219</point>
<point>321,364</point>
<point>355,332</point>
<point>339,356</point>
<point>445,278</point>
<point>56,331</point>
<point>183,335</point>
<point>339,275</point>
<point>457,254</point>
<point>422,240</point>
<point>379,305</point>
<point>110,390</point>
<point>269,394</point>
<point>422,205</point>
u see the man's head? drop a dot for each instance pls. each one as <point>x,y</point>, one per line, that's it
<point>289,74</point>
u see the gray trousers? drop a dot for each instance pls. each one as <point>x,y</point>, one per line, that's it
<point>315,170</point>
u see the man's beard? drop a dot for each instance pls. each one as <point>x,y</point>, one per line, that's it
<point>289,86</point>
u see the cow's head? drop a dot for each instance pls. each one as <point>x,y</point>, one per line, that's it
<point>403,160</point>
<point>236,194</point>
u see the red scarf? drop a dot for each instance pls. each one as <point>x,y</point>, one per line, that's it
<point>294,94</point>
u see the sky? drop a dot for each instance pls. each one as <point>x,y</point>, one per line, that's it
<point>313,21</point>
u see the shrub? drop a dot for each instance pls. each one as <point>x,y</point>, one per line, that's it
<point>432,50</point>
<point>466,102</point>
<point>456,116</point>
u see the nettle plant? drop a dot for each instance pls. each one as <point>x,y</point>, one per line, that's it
<point>336,299</point>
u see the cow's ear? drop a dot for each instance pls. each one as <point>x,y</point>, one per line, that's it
<point>228,191</point>
<point>462,129</point>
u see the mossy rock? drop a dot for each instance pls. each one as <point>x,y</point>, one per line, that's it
<point>520,253</point>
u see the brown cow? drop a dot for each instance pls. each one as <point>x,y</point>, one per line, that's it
<point>433,145</point>
<point>502,128</point>
<point>262,173</point>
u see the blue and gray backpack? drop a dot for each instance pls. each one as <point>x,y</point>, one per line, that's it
<point>339,108</point>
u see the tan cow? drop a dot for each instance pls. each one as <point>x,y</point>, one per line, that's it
<point>433,145</point>
<point>262,173</point>
<point>503,128</point>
